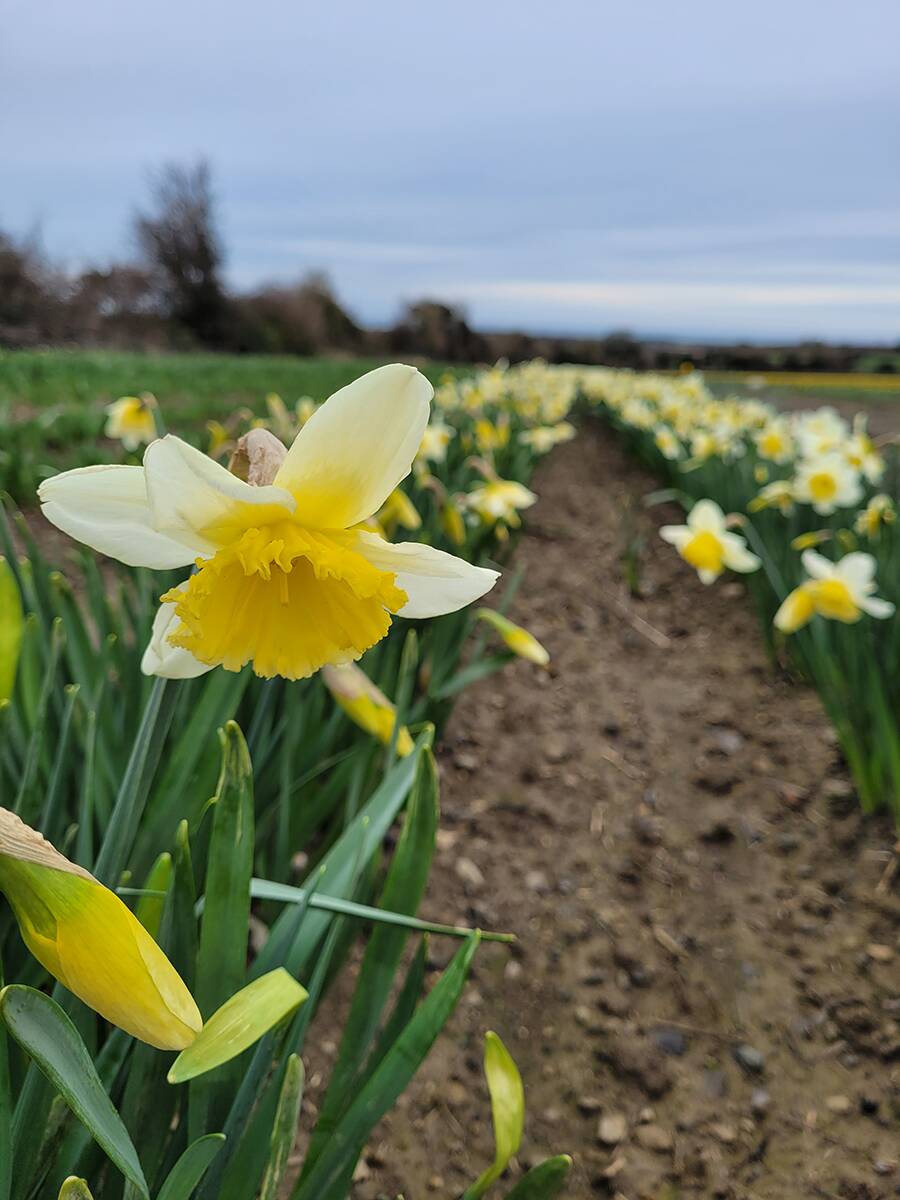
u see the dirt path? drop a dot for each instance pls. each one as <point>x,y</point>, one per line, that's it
<point>706,964</point>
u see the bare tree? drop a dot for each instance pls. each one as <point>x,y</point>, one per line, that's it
<point>181,247</point>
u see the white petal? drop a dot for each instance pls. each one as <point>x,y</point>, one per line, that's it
<point>707,576</point>
<point>107,508</point>
<point>191,494</point>
<point>737,556</point>
<point>356,448</point>
<point>706,516</point>
<point>857,570</point>
<point>434,581</point>
<point>161,658</point>
<point>676,535</point>
<point>876,607</point>
<point>816,565</point>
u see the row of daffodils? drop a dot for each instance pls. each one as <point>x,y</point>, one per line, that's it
<point>291,624</point>
<point>804,505</point>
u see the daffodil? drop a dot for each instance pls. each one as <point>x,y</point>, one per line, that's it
<point>366,705</point>
<point>85,937</point>
<point>880,511</point>
<point>706,543</point>
<point>519,640</point>
<point>130,420</point>
<point>500,500</point>
<point>398,509</point>
<point>774,441</point>
<point>435,440</point>
<point>862,452</point>
<point>304,409</point>
<point>490,435</point>
<point>841,591</point>
<point>544,437</point>
<point>667,443</point>
<point>828,483</point>
<point>286,579</point>
<point>777,494</point>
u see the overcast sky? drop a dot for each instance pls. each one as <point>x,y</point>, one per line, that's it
<point>695,168</point>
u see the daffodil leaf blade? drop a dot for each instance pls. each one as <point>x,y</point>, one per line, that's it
<point>240,1022</point>
<point>507,1110</point>
<point>44,1031</point>
<point>544,1181</point>
<point>12,623</point>
<point>191,1167</point>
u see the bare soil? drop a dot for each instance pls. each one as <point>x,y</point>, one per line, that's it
<point>705,997</point>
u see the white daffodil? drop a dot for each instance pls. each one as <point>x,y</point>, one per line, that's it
<point>828,483</point>
<point>841,591</point>
<point>130,420</point>
<point>774,441</point>
<point>286,580</point>
<point>706,543</point>
<point>435,441</point>
<point>500,500</point>
<point>667,443</point>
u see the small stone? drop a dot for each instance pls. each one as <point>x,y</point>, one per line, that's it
<point>436,1183</point>
<point>879,953</point>
<point>589,1104</point>
<point>655,1138</point>
<point>760,1101</point>
<point>839,1105</point>
<point>612,1129</point>
<point>749,1058</point>
<point>884,1166</point>
<point>726,741</point>
<point>469,873</point>
<point>671,1041</point>
<point>466,762</point>
<point>512,970</point>
<point>715,1084</point>
<point>646,1115</point>
<point>726,1134</point>
<point>537,881</point>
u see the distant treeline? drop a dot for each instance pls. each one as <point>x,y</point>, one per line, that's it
<point>172,296</point>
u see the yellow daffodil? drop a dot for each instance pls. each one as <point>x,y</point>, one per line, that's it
<point>828,483</point>
<point>453,524</point>
<point>219,438</point>
<point>880,510</point>
<point>398,509</point>
<point>130,420</point>
<point>286,579</point>
<point>85,937</point>
<point>435,440</point>
<point>777,494</point>
<point>841,591</point>
<point>279,418</point>
<point>667,443</point>
<point>366,705</point>
<point>519,640</point>
<point>491,435</point>
<point>500,500</point>
<point>774,442</point>
<point>304,409</point>
<point>814,537</point>
<point>543,438</point>
<point>706,543</point>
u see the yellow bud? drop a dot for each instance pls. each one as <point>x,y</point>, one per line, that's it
<point>519,640</point>
<point>84,935</point>
<point>453,524</point>
<point>365,704</point>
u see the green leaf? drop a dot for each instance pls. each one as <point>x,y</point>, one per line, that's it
<point>6,1113</point>
<point>507,1111</point>
<point>284,1130</point>
<point>149,909</point>
<point>241,1021</point>
<point>44,1031</point>
<point>391,1078</point>
<point>12,622</point>
<point>74,1188</point>
<point>544,1181</point>
<point>191,1167</point>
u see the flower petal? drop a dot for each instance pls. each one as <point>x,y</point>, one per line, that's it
<point>107,508</point>
<point>191,495</point>
<point>434,581</point>
<point>816,565</point>
<point>876,607</point>
<point>356,448</point>
<point>161,657</point>
<point>706,516</point>
<point>675,535</point>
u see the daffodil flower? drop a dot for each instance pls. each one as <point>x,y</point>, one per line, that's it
<point>435,441</point>
<point>543,438</point>
<point>500,500</point>
<point>130,420</point>
<point>827,483</point>
<point>880,510</point>
<point>519,640</point>
<point>85,937</point>
<point>777,494</point>
<point>366,705</point>
<point>841,591</point>
<point>706,543</point>
<point>286,579</point>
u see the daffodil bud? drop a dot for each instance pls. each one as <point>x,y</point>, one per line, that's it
<point>85,937</point>
<point>519,640</point>
<point>365,704</point>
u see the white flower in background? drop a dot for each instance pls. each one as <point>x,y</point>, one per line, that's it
<point>828,483</point>
<point>435,440</point>
<point>706,543</point>
<point>667,443</point>
<point>774,441</point>
<point>841,591</point>
<point>544,437</point>
<point>286,578</point>
<point>862,452</point>
<point>130,420</point>
<point>820,432</point>
<point>880,510</point>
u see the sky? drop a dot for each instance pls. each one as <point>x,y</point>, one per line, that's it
<point>692,169</point>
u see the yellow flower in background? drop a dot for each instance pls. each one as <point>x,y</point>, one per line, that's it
<point>667,443</point>
<point>777,494</point>
<point>827,483</point>
<point>435,440</point>
<point>774,441</point>
<point>130,420</point>
<point>398,509</point>
<point>219,438</point>
<point>880,510</point>
<point>366,705</point>
<point>519,640</point>
<point>841,591</point>
<point>279,418</point>
<point>500,500</point>
<point>862,452</point>
<point>304,409</point>
<point>85,937</point>
<point>815,537</point>
<point>453,524</point>
<point>490,436</point>
<point>286,579</point>
<point>706,543</point>
<point>544,437</point>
